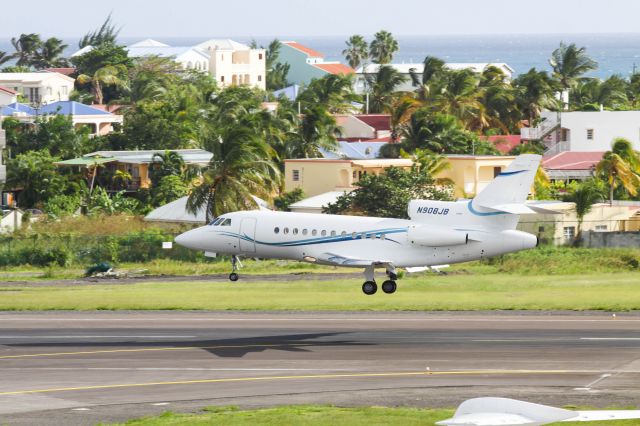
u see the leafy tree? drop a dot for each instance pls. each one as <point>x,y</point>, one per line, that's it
<point>356,52</point>
<point>317,130</point>
<point>382,87</point>
<point>110,75</point>
<point>570,63</point>
<point>277,72</point>
<point>169,188</point>
<point>4,57</point>
<point>585,196</point>
<point>283,201</point>
<point>26,46</point>
<point>241,167</point>
<point>383,47</point>
<point>106,34</point>
<point>535,91</point>
<point>432,80</point>
<point>50,54</point>
<point>333,92</point>
<point>36,176</point>
<point>620,168</point>
<point>461,99</point>
<point>100,202</point>
<point>55,133</point>
<point>611,93</point>
<point>439,133</point>
<point>388,194</point>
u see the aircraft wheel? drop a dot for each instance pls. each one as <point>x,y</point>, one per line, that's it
<point>369,287</point>
<point>389,286</point>
<point>233,276</point>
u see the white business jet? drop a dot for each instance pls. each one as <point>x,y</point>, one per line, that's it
<point>437,233</point>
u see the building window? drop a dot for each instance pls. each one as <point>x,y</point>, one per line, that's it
<point>295,174</point>
<point>601,228</point>
<point>497,171</point>
<point>260,56</point>
<point>222,79</point>
<point>569,232</point>
<point>590,134</point>
<point>259,78</point>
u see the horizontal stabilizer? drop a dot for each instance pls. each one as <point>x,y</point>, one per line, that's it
<point>511,412</point>
<point>521,209</point>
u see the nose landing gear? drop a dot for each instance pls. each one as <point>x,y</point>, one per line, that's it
<point>235,265</point>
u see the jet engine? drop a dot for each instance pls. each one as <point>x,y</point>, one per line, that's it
<point>430,237</point>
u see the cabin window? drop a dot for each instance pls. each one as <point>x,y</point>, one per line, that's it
<point>304,231</point>
<point>285,231</point>
<point>227,222</point>
<point>590,134</point>
<point>276,230</point>
<point>295,231</point>
<point>343,233</point>
<point>364,235</point>
<point>382,237</point>
<point>323,233</point>
<point>354,235</point>
<point>372,236</point>
<point>333,233</point>
<point>314,232</point>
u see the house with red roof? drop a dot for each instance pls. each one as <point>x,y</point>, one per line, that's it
<point>305,63</point>
<point>571,165</point>
<point>364,127</point>
<point>7,96</point>
<point>504,143</point>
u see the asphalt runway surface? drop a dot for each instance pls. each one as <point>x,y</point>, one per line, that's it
<point>81,368</point>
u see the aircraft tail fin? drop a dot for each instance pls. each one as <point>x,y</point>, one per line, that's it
<point>511,187</point>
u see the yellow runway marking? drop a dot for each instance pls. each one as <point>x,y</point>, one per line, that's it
<point>180,348</point>
<point>313,376</point>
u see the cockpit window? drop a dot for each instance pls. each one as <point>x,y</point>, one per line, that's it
<point>226,222</point>
<point>217,221</point>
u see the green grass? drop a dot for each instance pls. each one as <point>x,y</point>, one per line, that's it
<point>314,415</point>
<point>612,292</point>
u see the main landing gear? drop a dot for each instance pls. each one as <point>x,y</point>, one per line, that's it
<point>370,287</point>
<point>235,264</point>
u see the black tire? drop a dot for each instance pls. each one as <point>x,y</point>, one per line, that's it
<point>233,277</point>
<point>389,286</point>
<point>369,288</point>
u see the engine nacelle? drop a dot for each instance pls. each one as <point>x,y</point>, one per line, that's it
<point>430,237</point>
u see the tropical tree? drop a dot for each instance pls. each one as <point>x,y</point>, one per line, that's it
<point>383,47</point>
<point>498,96</point>
<point>620,168</point>
<point>432,79</point>
<point>167,163</point>
<point>110,75</point>
<point>333,92</point>
<point>26,46</point>
<point>535,91</point>
<point>50,54</point>
<point>357,51</point>
<point>106,34</point>
<point>461,99</point>
<point>317,130</point>
<point>36,176</point>
<point>382,87</point>
<point>241,167</point>
<point>570,63</point>
<point>401,109</point>
<point>592,94</point>
<point>438,133</point>
<point>5,57</point>
<point>585,196</point>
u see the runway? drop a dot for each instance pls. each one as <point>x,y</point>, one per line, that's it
<point>81,368</point>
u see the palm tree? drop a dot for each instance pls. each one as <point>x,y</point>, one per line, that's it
<point>5,57</point>
<point>620,167</point>
<point>357,51</point>
<point>334,92</point>
<point>461,98</point>
<point>432,164</point>
<point>241,167</point>
<point>110,75</point>
<point>317,130</point>
<point>535,92</point>
<point>431,81</point>
<point>26,47</point>
<point>401,109</point>
<point>593,93</point>
<point>382,86</point>
<point>569,64</point>
<point>584,196</point>
<point>383,47</point>
<point>107,33</point>
<point>50,54</point>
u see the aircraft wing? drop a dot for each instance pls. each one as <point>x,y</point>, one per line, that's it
<point>339,260</point>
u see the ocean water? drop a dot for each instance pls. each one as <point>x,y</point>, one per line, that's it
<point>615,53</point>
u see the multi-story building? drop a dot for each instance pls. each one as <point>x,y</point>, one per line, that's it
<point>584,131</point>
<point>229,62</point>
<point>38,87</point>
<point>305,64</point>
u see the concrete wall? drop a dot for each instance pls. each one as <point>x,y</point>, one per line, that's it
<point>606,125</point>
<point>611,239</point>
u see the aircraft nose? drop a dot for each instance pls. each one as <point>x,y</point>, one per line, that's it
<point>188,239</point>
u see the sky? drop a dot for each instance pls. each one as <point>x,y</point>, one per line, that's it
<point>200,18</point>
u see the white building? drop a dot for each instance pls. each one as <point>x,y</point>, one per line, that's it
<point>229,62</point>
<point>585,131</point>
<point>7,96</point>
<point>39,87</point>
<point>407,69</point>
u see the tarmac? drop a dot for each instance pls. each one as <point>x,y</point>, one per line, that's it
<point>82,368</point>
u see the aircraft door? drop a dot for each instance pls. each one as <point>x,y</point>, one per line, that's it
<point>248,233</point>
